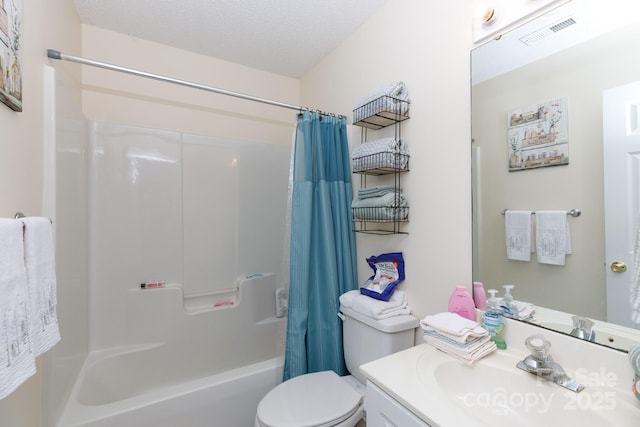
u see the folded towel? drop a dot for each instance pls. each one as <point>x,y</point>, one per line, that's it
<point>41,282</point>
<point>518,235</point>
<point>381,145</point>
<point>635,280</point>
<point>396,89</point>
<point>453,326</point>
<point>392,97</point>
<point>374,308</point>
<point>553,240</point>
<point>17,362</point>
<point>388,152</point>
<point>377,191</point>
<point>469,357</point>
<point>390,206</point>
<point>525,310</point>
<point>634,358</point>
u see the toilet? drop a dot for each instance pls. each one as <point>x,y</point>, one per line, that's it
<point>324,399</point>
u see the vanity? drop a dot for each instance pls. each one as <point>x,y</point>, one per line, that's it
<point>423,386</point>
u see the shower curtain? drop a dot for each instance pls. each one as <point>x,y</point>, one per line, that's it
<point>322,245</point>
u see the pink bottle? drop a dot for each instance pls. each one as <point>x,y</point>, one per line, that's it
<point>461,303</point>
<point>479,296</point>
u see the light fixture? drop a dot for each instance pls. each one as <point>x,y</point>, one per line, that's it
<point>489,16</point>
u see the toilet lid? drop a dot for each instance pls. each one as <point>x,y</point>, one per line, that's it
<point>316,399</point>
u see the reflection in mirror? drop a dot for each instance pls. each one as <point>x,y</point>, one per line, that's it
<point>574,53</point>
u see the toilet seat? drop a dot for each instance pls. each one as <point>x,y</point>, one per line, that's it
<point>317,399</point>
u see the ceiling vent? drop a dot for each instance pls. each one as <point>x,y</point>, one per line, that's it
<point>536,36</point>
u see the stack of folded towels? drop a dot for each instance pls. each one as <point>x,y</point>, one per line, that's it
<point>392,97</point>
<point>382,202</point>
<point>387,152</point>
<point>525,310</point>
<point>461,338</point>
<point>376,309</point>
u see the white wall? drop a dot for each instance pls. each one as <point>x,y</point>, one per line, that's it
<point>22,180</point>
<point>425,44</point>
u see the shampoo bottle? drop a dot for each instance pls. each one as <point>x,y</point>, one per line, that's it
<point>479,297</point>
<point>461,303</point>
<point>493,321</point>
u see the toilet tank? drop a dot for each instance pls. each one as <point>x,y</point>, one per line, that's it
<point>366,339</point>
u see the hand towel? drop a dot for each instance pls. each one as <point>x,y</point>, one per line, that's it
<point>17,362</point>
<point>41,283</point>
<point>525,310</point>
<point>635,280</point>
<point>634,358</point>
<point>518,235</point>
<point>453,326</point>
<point>553,239</point>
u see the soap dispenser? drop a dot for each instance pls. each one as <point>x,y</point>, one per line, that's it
<point>493,321</point>
<point>509,307</point>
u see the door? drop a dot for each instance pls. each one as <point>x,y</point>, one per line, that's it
<point>621,141</point>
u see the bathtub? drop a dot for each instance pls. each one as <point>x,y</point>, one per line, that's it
<point>187,362</point>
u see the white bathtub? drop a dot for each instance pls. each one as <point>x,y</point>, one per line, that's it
<point>206,366</point>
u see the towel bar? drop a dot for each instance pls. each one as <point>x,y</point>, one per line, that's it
<point>573,212</point>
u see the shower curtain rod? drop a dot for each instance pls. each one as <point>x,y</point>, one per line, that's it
<point>56,54</point>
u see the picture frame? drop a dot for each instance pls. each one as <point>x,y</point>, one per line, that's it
<point>11,54</point>
<point>537,135</point>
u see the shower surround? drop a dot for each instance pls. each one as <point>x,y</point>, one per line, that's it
<point>201,214</point>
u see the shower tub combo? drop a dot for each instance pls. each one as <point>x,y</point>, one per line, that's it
<point>215,374</point>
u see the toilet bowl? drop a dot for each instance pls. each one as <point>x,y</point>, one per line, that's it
<point>319,399</point>
<point>324,399</point>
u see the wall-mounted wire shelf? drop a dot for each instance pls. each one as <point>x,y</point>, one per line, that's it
<point>381,112</point>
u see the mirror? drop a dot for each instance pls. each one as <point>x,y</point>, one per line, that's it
<point>572,54</point>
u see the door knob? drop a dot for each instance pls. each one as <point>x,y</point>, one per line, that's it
<point>618,267</point>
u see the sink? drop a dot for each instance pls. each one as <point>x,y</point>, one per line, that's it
<point>613,337</point>
<point>494,392</point>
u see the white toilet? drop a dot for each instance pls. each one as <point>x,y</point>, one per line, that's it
<point>324,399</point>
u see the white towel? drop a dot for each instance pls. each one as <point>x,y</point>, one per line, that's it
<point>41,282</point>
<point>518,235</point>
<point>635,280</point>
<point>453,326</point>
<point>467,356</point>
<point>374,308</point>
<point>17,362</point>
<point>553,239</point>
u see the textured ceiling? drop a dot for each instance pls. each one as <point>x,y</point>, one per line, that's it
<point>286,37</point>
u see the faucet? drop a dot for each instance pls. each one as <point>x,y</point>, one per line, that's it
<point>540,363</point>
<point>583,328</point>
<point>634,358</point>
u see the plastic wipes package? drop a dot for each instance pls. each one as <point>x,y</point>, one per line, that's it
<point>388,273</point>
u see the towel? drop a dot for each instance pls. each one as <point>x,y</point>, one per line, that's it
<point>392,97</point>
<point>467,355</point>
<point>553,240</point>
<point>635,280</point>
<point>381,153</point>
<point>453,326</point>
<point>526,310</point>
<point>17,362</point>
<point>376,309</point>
<point>377,191</point>
<point>457,336</point>
<point>41,283</point>
<point>518,235</point>
<point>634,358</point>
<point>388,207</point>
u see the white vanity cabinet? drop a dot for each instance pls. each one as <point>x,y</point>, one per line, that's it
<point>384,411</point>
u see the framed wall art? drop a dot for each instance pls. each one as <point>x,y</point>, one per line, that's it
<point>538,135</point>
<point>11,53</point>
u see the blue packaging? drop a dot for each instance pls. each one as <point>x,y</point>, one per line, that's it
<point>388,272</point>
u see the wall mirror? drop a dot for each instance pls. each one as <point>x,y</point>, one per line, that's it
<point>583,53</point>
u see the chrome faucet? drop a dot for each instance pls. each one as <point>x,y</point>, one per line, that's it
<point>540,363</point>
<point>583,328</point>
